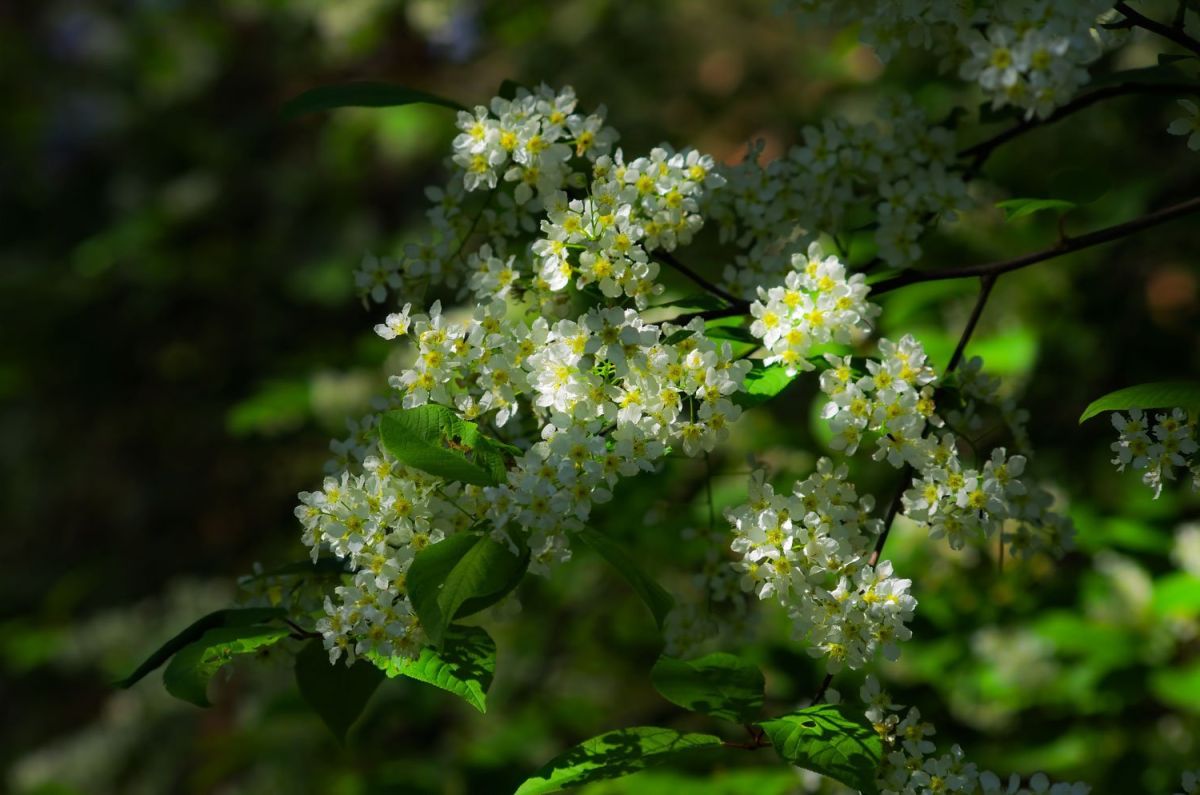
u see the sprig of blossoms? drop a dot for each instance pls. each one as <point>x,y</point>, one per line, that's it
<point>911,765</point>
<point>899,169</point>
<point>1030,54</point>
<point>895,401</point>
<point>817,303</point>
<point>1159,445</point>
<point>810,550</point>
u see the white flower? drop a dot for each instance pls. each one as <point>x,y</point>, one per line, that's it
<point>1188,124</point>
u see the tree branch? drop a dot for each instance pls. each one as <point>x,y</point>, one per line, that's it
<point>982,150</point>
<point>1175,34</point>
<point>1063,246</point>
<point>669,259</point>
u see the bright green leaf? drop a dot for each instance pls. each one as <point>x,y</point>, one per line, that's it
<point>239,617</point>
<point>187,675</point>
<point>1177,595</point>
<point>657,599</point>
<point>422,437</point>
<point>1178,687</point>
<point>613,755</point>
<point>458,576</point>
<point>336,692</point>
<point>1019,208</point>
<point>700,302</point>
<point>360,95</point>
<point>464,665</point>
<point>830,740</point>
<point>1157,395</point>
<point>716,684</point>
<point>762,383</point>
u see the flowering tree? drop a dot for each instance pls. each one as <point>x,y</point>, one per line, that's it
<point>542,365</point>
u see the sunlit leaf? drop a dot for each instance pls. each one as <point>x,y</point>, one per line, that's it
<point>188,674</point>
<point>361,95</point>
<point>830,740</point>
<point>464,665</point>
<point>613,755</point>
<point>1157,395</point>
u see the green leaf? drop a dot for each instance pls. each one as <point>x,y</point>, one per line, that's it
<point>458,576</point>
<point>187,675</point>
<point>1178,687</point>
<point>464,665</point>
<point>361,95</point>
<point>234,617</point>
<point>1177,595</point>
<point>337,693</point>
<point>613,755</point>
<point>700,302</point>
<point>1019,208</point>
<point>718,684</point>
<point>421,438</point>
<point>1157,395</point>
<point>733,333</point>
<point>653,594</point>
<point>762,383</point>
<point>830,740</point>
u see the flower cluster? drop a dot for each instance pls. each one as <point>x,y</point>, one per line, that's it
<point>816,304</point>
<point>631,210</point>
<point>1190,782</point>
<point>608,395</point>
<point>894,399</point>
<point>1158,446</point>
<point>911,766</point>
<point>810,550</point>
<point>1030,54</point>
<point>898,171</point>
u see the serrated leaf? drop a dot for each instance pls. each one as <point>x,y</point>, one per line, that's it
<point>718,684</point>
<point>464,665</point>
<point>613,755</point>
<point>762,383</point>
<point>233,617</point>
<point>421,438</point>
<point>187,675</point>
<point>829,740</point>
<point>1156,395</point>
<point>460,575</point>
<point>361,95</point>
<point>656,598</point>
<point>1019,208</point>
<point>337,693</point>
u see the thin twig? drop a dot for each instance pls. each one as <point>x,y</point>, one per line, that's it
<point>669,259</point>
<point>980,152</point>
<point>1175,34</point>
<point>1060,248</point>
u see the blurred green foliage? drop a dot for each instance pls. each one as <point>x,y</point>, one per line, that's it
<point>181,337</point>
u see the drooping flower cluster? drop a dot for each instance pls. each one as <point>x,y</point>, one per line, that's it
<point>1030,53</point>
<point>816,304</point>
<point>1157,445</point>
<point>536,145</point>
<point>895,400</point>
<point>911,765</point>
<point>810,550</point>
<point>898,171</point>
<point>607,394</point>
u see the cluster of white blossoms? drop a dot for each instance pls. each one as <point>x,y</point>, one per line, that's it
<point>1032,54</point>
<point>811,551</point>
<point>898,172</point>
<point>894,399</point>
<point>608,395</point>
<point>911,765</point>
<point>816,304</point>
<point>1190,782</point>
<point>1158,446</point>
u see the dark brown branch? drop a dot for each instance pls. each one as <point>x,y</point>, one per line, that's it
<point>980,152</point>
<point>1175,34</point>
<point>1063,246</point>
<point>669,259</point>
